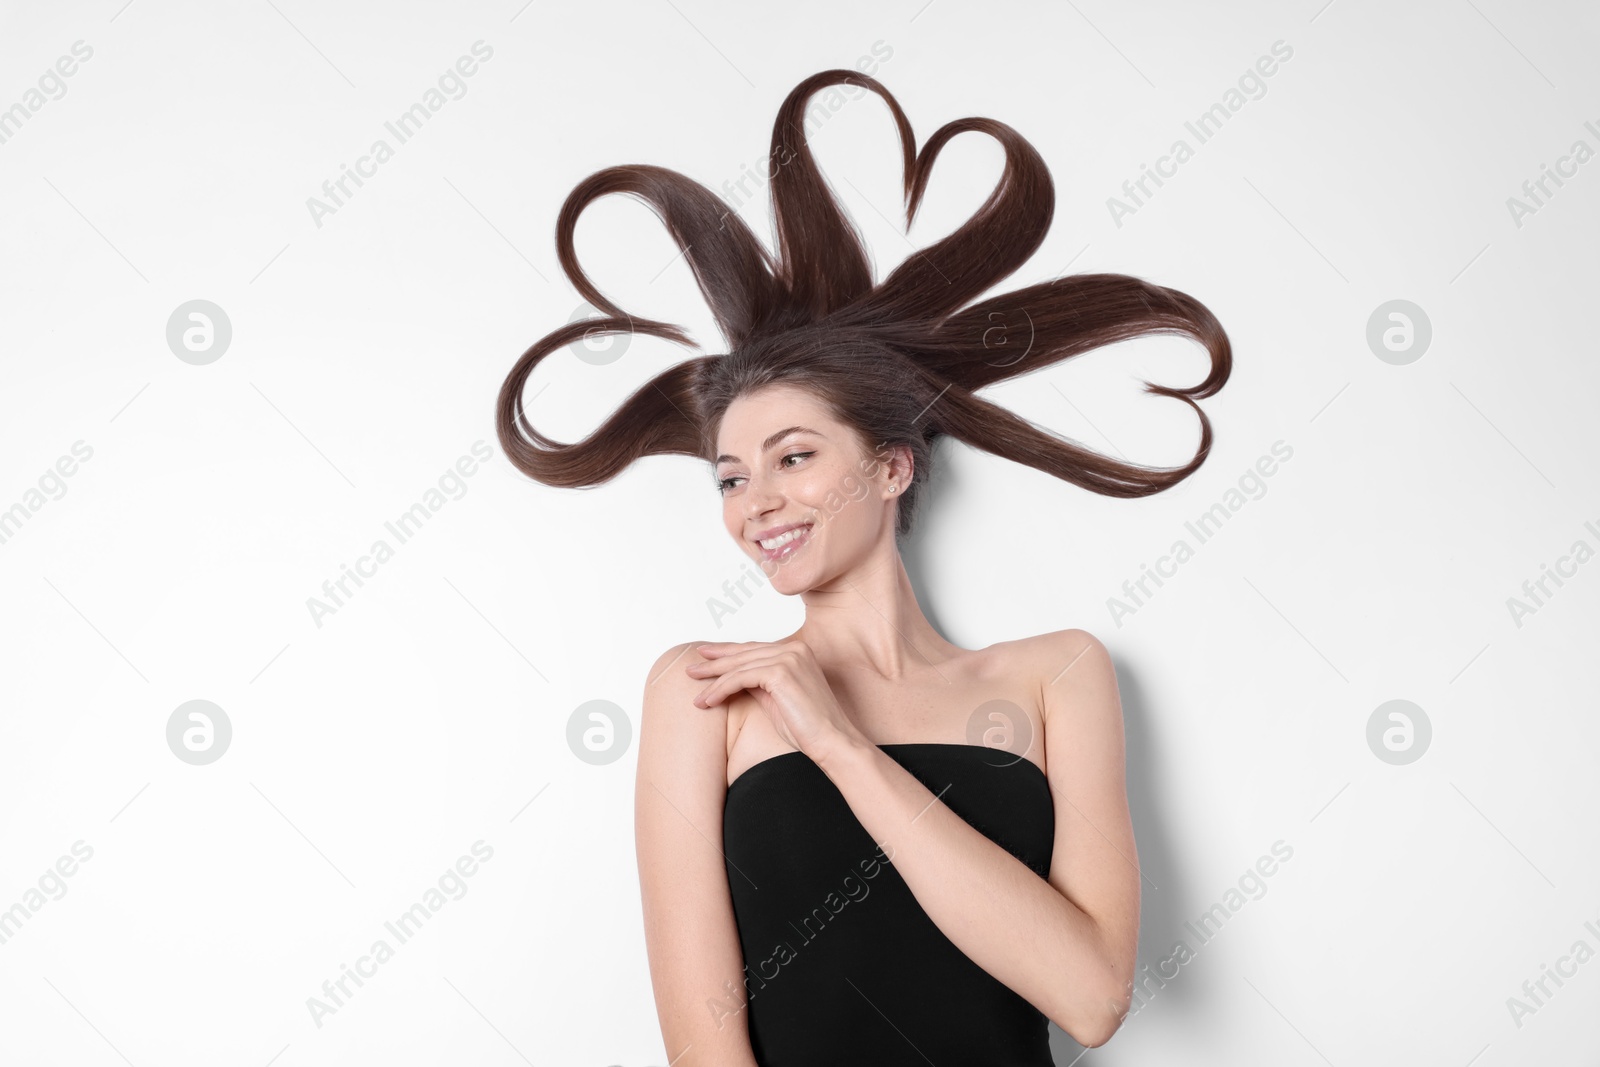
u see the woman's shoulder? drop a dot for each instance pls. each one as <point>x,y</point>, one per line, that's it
<point>1053,663</point>
<point>681,653</point>
<point>1072,668</point>
<point>1072,641</point>
<point>668,710</point>
<point>667,684</point>
<point>1040,652</point>
<point>679,656</point>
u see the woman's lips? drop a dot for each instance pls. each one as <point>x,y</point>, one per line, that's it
<point>786,550</point>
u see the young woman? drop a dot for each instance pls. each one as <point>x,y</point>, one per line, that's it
<point>860,843</point>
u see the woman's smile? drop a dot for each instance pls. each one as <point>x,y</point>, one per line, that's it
<point>785,544</point>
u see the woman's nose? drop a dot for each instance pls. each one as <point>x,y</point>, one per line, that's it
<point>760,495</point>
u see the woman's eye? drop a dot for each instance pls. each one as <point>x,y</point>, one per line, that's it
<point>723,484</point>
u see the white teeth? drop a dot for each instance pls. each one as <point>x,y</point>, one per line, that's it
<point>784,538</point>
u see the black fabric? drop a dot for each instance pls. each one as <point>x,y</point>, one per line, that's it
<point>842,965</point>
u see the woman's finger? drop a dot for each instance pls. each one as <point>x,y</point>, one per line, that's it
<point>731,655</point>
<point>746,676</point>
<point>726,648</point>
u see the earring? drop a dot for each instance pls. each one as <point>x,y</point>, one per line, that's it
<point>892,488</point>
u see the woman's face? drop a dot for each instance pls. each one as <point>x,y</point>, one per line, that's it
<point>815,484</point>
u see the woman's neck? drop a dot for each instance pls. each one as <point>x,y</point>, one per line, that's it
<point>870,620</point>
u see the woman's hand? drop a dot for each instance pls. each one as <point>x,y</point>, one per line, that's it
<point>787,681</point>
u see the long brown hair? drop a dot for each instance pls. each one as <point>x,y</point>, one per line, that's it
<point>899,360</point>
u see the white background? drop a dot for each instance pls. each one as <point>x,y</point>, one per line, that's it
<point>430,710</point>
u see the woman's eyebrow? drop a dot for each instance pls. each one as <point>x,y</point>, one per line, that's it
<point>774,439</point>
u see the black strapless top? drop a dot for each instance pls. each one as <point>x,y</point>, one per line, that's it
<point>842,965</point>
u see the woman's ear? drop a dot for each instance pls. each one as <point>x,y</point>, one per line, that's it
<point>901,467</point>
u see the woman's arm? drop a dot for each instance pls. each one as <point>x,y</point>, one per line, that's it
<point>1067,945</point>
<point>696,964</point>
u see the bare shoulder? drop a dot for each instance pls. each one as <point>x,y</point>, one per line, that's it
<point>1072,667</point>
<point>668,711</point>
<point>679,656</point>
<point>1073,642</point>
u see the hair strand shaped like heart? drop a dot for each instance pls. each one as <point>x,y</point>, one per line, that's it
<point>899,360</point>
